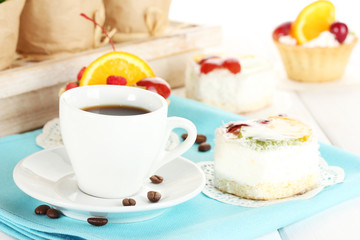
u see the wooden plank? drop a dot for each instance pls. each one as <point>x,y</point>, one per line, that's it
<point>339,222</point>
<point>29,92</point>
<point>337,111</point>
<point>48,73</point>
<point>28,110</point>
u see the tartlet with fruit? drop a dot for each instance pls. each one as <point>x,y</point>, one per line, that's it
<point>236,84</point>
<point>315,47</point>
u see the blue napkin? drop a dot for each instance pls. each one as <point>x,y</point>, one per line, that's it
<point>198,218</point>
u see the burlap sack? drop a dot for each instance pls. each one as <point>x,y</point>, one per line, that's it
<point>50,28</point>
<point>9,18</point>
<point>136,19</point>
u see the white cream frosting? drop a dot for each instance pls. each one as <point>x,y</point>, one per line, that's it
<point>276,128</point>
<point>249,90</point>
<point>325,39</point>
<point>236,160</point>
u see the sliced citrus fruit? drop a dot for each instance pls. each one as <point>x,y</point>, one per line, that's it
<point>121,64</point>
<point>312,20</point>
<point>291,128</point>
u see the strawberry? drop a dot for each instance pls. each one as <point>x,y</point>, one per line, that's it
<point>80,73</point>
<point>116,80</point>
<point>232,64</point>
<point>71,85</point>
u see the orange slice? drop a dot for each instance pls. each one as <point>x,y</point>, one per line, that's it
<point>122,64</point>
<point>312,20</point>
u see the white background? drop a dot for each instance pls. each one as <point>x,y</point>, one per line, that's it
<point>248,25</point>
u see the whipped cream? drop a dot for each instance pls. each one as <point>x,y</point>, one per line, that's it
<point>236,161</point>
<point>325,39</point>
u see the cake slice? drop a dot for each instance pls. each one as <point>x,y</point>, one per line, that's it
<point>236,84</point>
<point>266,159</point>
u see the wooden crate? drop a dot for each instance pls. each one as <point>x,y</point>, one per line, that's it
<point>29,90</point>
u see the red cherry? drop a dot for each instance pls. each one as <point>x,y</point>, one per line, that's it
<point>282,30</point>
<point>264,121</point>
<point>340,30</point>
<point>235,129</point>
<point>71,85</point>
<point>116,80</point>
<point>79,76</point>
<point>157,85</point>
<point>232,64</point>
<point>207,58</point>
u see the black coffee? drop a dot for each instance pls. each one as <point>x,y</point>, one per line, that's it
<point>116,110</point>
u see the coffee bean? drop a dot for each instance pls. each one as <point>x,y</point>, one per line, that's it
<point>128,202</point>
<point>41,210</point>
<point>53,213</point>
<point>184,136</point>
<point>97,221</point>
<point>153,196</point>
<point>203,147</point>
<point>156,179</point>
<point>200,138</point>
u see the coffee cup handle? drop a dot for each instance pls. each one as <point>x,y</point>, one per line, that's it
<point>172,123</point>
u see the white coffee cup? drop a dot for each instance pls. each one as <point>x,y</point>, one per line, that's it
<point>112,156</point>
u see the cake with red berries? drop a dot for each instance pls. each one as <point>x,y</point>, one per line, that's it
<point>236,84</point>
<point>266,159</point>
<point>315,47</point>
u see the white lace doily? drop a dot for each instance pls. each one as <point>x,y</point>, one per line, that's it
<point>51,136</point>
<point>330,175</point>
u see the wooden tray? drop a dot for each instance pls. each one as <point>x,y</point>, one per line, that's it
<point>29,90</point>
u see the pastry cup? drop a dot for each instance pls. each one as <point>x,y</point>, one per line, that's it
<point>315,64</point>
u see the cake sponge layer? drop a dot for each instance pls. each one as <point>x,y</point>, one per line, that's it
<point>268,191</point>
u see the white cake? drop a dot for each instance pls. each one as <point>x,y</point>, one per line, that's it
<point>266,159</point>
<point>249,90</point>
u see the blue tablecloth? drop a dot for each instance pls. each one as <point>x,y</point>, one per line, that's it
<point>199,218</point>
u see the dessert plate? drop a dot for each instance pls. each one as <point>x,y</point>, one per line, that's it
<point>47,175</point>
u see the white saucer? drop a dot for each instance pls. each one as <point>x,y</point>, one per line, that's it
<point>48,176</point>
